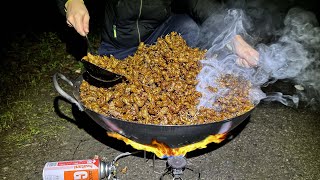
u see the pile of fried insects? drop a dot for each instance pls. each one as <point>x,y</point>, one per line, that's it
<point>160,87</point>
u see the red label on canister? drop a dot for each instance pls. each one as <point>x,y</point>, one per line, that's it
<point>72,170</point>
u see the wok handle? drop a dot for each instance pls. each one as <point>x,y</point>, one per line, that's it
<point>62,92</point>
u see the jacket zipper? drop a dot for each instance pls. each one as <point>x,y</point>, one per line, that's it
<point>114,26</point>
<point>137,22</point>
<point>115,31</point>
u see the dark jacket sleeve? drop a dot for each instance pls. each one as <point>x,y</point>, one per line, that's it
<point>61,7</point>
<point>200,10</point>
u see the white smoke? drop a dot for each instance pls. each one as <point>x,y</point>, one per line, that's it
<point>293,55</point>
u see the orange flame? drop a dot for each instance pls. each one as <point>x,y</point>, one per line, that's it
<point>161,150</point>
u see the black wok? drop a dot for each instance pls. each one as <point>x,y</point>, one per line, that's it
<point>172,135</point>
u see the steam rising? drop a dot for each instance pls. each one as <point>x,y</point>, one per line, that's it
<point>292,55</point>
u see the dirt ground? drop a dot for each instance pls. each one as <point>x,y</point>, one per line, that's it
<point>38,125</point>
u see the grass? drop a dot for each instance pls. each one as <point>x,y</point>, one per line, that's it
<point>26,99</point>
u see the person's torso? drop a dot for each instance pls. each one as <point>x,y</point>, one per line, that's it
<point>128,22</point>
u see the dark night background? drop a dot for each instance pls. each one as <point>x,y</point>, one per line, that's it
<point>29,18</point>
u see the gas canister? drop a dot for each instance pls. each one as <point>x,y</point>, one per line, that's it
<point>88,169</point>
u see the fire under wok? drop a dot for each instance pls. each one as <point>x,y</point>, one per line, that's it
<point>173,136</point>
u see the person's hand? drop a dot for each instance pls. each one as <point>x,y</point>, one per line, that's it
<point>77,16</point>
<point>248,57</point>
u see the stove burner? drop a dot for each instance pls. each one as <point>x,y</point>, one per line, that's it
<point>175,166</point>
<point>177,162</point>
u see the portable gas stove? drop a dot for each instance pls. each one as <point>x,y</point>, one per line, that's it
<point>175,167</point>
<point>176,162</point>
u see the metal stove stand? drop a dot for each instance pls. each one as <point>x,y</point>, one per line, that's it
<point>176,165</point>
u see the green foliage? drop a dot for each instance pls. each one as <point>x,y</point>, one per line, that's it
<point>27,94</point>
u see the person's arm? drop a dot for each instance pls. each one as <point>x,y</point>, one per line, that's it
<point>247,56</point>
<point>201,10</point>
<point>77,15</point>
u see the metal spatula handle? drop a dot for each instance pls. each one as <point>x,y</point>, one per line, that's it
<point>90,47</point>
